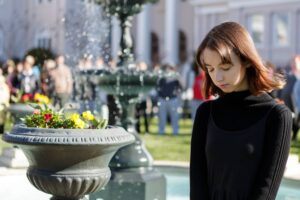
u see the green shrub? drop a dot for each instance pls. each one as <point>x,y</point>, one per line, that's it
<point>40,55</point>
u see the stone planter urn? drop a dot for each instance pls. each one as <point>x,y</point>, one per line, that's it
<point>19,110</point>
<point>13,157</point>
<point>68,163</point>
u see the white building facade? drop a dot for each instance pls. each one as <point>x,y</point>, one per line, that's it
<point>30,23</point>
<point>65,27</point>
<point>273,24</point>
<point>169,31</point>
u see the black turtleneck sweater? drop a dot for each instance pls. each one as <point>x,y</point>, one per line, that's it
<point>239,148</point>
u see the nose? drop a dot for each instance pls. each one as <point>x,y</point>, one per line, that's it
<point>219,75</point>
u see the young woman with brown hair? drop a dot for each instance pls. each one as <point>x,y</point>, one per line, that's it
<point>240,141</point>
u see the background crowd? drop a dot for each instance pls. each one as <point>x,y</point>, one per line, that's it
<point>173,98</point>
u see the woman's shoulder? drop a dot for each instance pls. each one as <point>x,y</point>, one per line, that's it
<point>202,114</point>
<point>279,123</point>
<point>280,110</point>
<point>274,105</point>
<point>204,109</point>
<point>205,106</point>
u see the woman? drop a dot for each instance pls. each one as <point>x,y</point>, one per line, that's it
<point>240,141</point>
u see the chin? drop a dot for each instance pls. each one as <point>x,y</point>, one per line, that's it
<point>227,90</point>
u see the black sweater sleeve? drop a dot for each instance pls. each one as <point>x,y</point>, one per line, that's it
<point>198,166</point>
<point>276,151</point>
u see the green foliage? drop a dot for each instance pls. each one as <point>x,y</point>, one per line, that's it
<point>120,7</point>
<point>152,1</point>
<point>98,124</point>
<point>168,147</point>
<point>40,55</point>
<point>295,147</point>
<point>45,117</point>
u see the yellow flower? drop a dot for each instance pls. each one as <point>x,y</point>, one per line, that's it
<point>88,115</point>
<point>40,98</point>
<point>79,123</point>
<point>36,96</point>
<point>74,117</point>
<point>44,99</point>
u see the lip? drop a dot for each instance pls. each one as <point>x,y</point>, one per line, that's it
<point>223,85</point>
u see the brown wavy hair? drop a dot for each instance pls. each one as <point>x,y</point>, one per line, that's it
<point>231,36</point>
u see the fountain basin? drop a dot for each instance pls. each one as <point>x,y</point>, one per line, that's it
<point>19,110</point>
<point>178,184</point>
<point>121,82</point>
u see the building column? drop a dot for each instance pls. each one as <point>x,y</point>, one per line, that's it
<point>171,32</point>
<point>115,39</point>
<point>298,33</point>
<point>293,28</point>
<point>197,30</point>
<point>143,47</point>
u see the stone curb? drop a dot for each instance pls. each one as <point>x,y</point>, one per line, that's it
<point>292,168</point>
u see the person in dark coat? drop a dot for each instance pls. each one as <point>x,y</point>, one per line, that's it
<point>240,141</point>
<point>286,95</point>
<point>168,90</point>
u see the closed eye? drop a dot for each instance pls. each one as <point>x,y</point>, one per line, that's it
<point>226,69</point>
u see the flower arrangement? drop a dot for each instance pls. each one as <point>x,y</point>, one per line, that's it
<point>45,117</point>
<point>30,98</point>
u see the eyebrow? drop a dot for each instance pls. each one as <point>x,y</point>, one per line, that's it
<point>208,65</point>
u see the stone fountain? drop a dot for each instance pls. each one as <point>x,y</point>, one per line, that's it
<point>133,174</point>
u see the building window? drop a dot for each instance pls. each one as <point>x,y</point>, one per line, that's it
<point>182,45</point>
<point>281,29</point>
<point>43,39</point>
<point>155,48</point>
<point>256,28</point>
<point>1,43</point>
<point>44,42</point>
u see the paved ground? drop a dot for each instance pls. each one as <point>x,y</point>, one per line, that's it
<point>292,168</point>
<point>15,186</point>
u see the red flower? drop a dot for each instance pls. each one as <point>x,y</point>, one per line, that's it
<point>47,117</point>
<point>26,97</point>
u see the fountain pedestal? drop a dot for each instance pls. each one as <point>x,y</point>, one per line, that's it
<point>133,176</point>
<point>134,184</point>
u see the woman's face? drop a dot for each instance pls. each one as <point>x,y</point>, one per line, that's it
<point>227,77</point>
